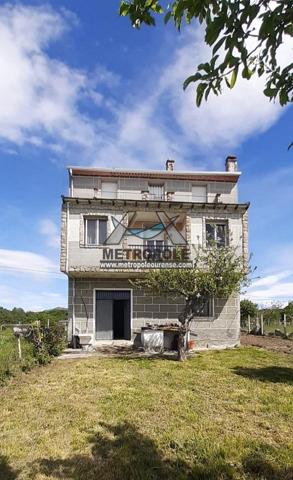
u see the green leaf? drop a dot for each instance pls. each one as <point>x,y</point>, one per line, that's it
<point>247,73</point>
<point>199,93</point>
<point>204,66</point>
<point>270,92</point>
<point>213,29</point>
<point>234,77</point>
<point>124,9</point>
<point>289,30</point>
<point>191,79</point>
<point>218,45</point>
<point>167,17</point>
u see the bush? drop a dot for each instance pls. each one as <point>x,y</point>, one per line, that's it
<point>54,339</point>
<point>38,348</point>
<point>47,341</point>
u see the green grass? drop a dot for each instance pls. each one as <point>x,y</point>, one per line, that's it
<point>9,361</point>
<point>276,326</point>
<point>220,415</point>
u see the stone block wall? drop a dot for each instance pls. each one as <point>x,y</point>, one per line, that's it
<point>222,330</point>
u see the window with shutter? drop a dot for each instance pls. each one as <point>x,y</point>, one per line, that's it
<point>156,192</point>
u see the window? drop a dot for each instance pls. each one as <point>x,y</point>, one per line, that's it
<point>156,192</point>
<point>95,231</point>
<point>109,190</point>
<point>204,307</point>
<point>154,244</point>
<point>199,193</point>
<point>216,234</point>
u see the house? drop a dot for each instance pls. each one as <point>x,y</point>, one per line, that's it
<point>116,223</point>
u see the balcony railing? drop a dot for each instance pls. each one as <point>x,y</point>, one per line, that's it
<point>147,196</point>
<point>158,252</point>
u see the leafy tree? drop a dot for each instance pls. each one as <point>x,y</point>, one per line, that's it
<point>272,314</point>
<point>18,315</point>
<point>244,37</point>
<point>217,273</point>
<point>247,307</point>
<point>289,310</point>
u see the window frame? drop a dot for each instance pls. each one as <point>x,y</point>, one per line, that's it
<point>97,219</point>
<point>211,309</point>
<point>216,222</point>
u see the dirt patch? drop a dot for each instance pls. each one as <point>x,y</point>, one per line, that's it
<point>269,343</point>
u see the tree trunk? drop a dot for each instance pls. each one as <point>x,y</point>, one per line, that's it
<point>181,350</point>
<point>185,318</point>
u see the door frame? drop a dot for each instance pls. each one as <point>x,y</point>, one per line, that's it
<point>94,309</point>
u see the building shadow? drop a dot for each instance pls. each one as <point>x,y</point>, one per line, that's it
<point>121,452</point>
<point>6,471</point>
<point>267,374</point>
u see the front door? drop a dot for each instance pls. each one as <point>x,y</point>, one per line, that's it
<point>113,314</point>
<point>104,319</point>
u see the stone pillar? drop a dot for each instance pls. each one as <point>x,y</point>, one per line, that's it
<point>63,249</point>
<point>245,249</point>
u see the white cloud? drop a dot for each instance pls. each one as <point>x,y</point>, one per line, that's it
<point>271,279</point>
<point>41,101</point>
<point>165,122</point>
<point>39,95</point>
<point>30,298</point>
<point>22,261</point>
<point>272,288</point>
<point>225,120</point>
<point>51,232</point>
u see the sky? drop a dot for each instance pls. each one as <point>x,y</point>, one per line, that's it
<point>80,86</point>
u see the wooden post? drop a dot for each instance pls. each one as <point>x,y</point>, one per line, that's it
<point>248,323</point>
<point>261,323</point>
<point>285,325</point>
<point>19,347</point>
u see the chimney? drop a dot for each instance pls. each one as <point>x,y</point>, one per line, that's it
<point>231,163</point>
<point>170,165</point>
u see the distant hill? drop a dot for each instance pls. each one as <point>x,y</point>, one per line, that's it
<point>18,315</point>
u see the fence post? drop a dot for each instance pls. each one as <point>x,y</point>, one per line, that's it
<point>261,323</point>
<point>19,347</point>
<point>285,325</point>
<point>248,323</point>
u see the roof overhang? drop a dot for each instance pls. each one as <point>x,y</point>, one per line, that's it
<point>156,174</point>
<point>155,204</point>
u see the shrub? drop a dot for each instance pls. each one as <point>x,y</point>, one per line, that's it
<point>47,341</point>
<point>38,347</point>
<point>54,340</point>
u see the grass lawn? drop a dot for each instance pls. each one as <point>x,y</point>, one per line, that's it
<point>9,361</point>
<point>220,415</point>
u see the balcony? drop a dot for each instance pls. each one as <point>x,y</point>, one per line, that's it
<point>158,253</point>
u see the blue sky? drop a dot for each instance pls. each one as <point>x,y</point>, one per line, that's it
<point>79,85</point>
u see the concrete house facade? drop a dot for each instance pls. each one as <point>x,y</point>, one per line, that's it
<point>116,224</point>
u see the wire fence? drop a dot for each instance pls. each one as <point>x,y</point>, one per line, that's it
<point>263,325</point>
